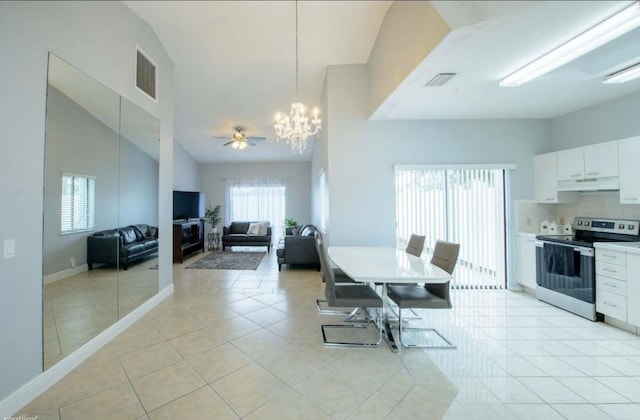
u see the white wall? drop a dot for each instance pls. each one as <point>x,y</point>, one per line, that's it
<point>185,170</point>
<point>297,176</point>
<point>100,39</point>
<point>611,120</point>
<point>362,154</point>
<point>319,162</point>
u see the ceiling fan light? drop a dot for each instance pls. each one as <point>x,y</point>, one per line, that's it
<point>607,30</point>
<point>235,144</point>
<point>242,145</point>
<point>624,75</point>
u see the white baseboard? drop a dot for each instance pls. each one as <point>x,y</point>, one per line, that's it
<point>50,278</point>
<point>26,393</point>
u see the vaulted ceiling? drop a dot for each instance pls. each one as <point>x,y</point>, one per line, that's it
<point>234,63</point>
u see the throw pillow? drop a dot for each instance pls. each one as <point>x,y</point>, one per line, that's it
<point>263,228</point>
<point>254,229</point>
<point>153,232</point>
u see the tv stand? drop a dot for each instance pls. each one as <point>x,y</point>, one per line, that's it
<point>188,238</point>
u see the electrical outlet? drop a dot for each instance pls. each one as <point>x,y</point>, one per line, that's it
<point>9,248</point>
<point>73,262</point>
<point>528,221</point>
<point>562,220</point>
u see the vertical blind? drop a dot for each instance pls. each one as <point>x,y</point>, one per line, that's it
<point>465,206</point>
<point>78,203</point>
<point>257,200</point>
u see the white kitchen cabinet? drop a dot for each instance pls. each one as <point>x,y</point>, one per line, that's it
<point>611,283</point>
<point>526,259</point>
<point>601,160</point>
<point>633,289</point>
<point>545,178</point>
<point>629,167</point>
<point>570,164</point>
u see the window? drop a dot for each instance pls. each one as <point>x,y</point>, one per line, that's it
<point>78,203</point>
<point>460,205</point>
<point>257,200</point>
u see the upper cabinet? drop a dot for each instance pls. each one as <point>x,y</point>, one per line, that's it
<point>594,161</point>
<point>628,152</point>
<point>546,179</point>
<point>601,160</point>
<point>570,164</point>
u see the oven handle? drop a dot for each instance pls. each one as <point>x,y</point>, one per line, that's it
<point>589,252</point>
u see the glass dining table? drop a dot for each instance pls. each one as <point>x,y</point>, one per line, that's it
<point>385,265</point>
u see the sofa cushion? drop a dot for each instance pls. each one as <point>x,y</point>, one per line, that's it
<point>308,230</point>
<point>235,237</point>
<point>132,249</point>
<point>128,235</point>
<point>144,231</point>
<point>149,243</point>
<point>239,227</point>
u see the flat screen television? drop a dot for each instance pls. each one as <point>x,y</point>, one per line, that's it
<point>188,205</point>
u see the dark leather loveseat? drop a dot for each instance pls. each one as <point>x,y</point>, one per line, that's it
<point>299,248</point>
<point>236,235</point>
<point>122,245</point>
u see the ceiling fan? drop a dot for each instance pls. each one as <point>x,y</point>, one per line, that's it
<point>239,140</point>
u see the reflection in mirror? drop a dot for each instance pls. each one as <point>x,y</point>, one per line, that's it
<point>88,198</point>
<point>138,206</point>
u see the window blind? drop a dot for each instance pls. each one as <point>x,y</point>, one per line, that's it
<point>78,203</point>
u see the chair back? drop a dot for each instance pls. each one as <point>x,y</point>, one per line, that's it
<point>445,255</point>
<point>415,245</point>
<point>327,272</point>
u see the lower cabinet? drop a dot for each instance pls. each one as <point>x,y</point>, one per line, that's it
<point>633,288</point>
<point>618,284</point>
<point>526,268</point>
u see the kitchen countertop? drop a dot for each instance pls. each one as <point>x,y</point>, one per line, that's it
<point>631,247</point>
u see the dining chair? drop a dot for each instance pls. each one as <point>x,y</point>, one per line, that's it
<point>347,296</point>
<point>429,295</point>
<point>415,245</point>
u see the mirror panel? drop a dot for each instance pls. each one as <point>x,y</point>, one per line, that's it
<point>139,186</point>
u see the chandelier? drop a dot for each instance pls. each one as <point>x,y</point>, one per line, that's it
<point>295,127</point>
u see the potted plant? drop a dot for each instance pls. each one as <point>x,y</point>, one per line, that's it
<point>212,214</point>
<point>290,223</point>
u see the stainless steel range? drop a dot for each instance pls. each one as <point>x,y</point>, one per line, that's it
<point>565,264</point>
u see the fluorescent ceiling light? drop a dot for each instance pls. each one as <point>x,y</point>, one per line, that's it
<point>607,30</point>
<point>624,75</point>
<point>440,79</point>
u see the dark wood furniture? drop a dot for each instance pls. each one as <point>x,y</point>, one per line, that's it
<point>188,238</point>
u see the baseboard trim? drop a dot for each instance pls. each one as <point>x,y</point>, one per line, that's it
<point>50,278</point>
<point>26,393</point>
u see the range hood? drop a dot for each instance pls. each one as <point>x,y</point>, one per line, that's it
<point>611,183</point>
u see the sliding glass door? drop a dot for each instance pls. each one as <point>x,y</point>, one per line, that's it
<point>465,206</point>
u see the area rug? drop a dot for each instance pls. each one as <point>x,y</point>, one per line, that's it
<point>229,261</point>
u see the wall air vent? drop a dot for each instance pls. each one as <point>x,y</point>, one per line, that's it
<point>145,75</point>
<point>440,79</point>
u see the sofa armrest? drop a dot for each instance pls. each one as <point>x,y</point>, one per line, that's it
<point>103,249</point>
<point>300,250</point>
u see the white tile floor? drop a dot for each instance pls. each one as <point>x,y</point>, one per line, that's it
<point>220,349</point>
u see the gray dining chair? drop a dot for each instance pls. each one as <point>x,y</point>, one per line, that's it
<point>415,245</point>
<point>427,296</point>
<point>347,296</point>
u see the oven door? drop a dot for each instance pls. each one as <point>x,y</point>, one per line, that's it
<point>566,269</point>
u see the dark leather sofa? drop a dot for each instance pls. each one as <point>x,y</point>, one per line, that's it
<point>299,248</point>
<point>236,235</point>
<point>122,245</point>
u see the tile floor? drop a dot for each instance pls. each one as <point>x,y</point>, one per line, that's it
<point>247,344</point>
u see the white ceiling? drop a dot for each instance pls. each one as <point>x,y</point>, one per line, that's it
<point>234,63</point>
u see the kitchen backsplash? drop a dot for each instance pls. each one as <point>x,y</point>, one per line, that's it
<point>605,204</point>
